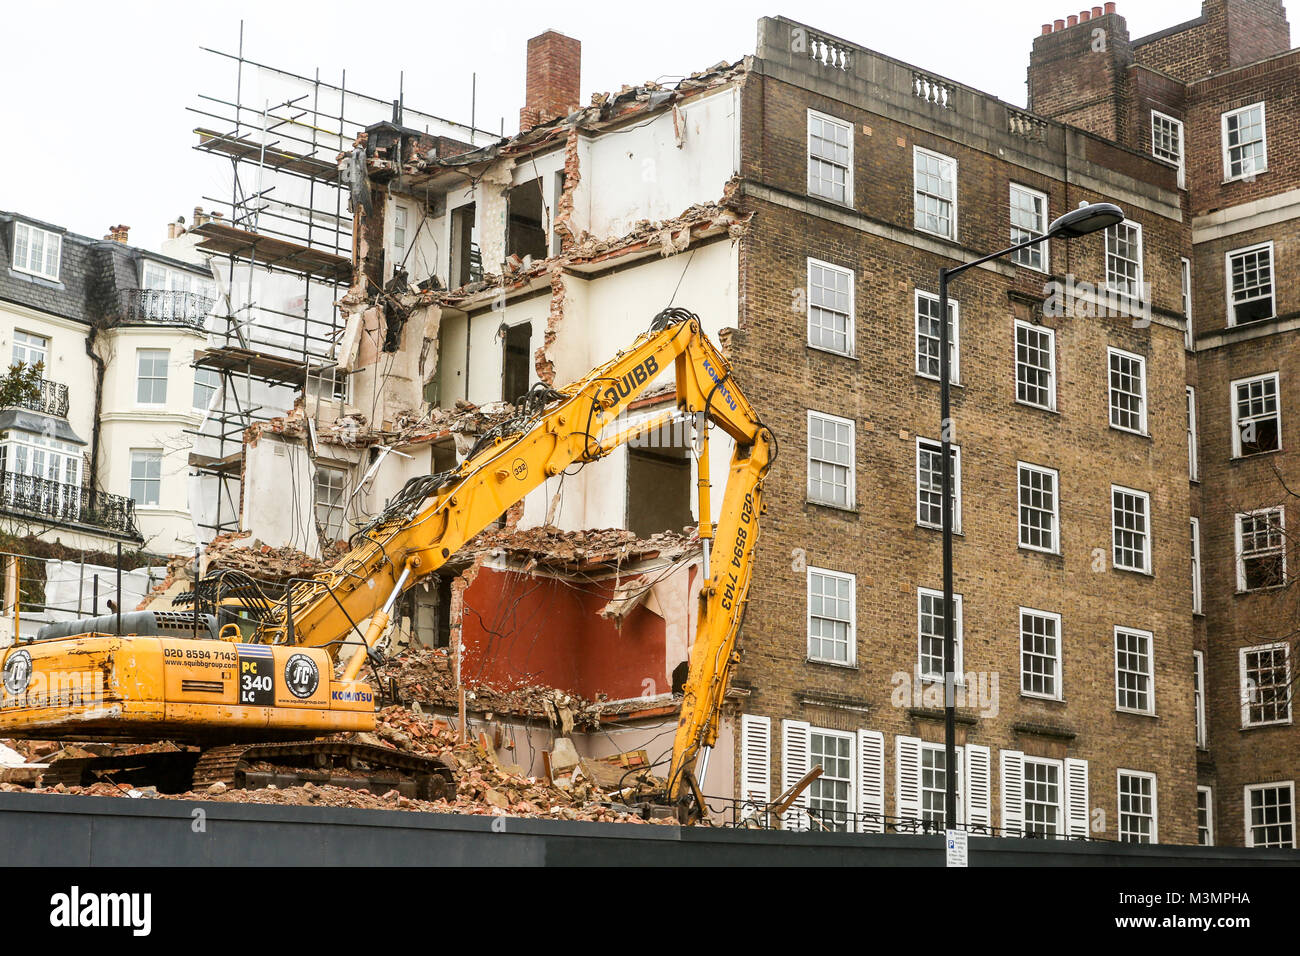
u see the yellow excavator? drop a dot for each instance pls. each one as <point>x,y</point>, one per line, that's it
<point>254,701</point>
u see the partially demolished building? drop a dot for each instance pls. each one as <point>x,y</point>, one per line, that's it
<point>801,201</point>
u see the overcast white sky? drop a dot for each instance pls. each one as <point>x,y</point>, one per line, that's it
<point>94,115</point>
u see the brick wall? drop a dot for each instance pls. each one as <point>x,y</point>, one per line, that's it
<point>1233,55</point>
<point>879,541</point>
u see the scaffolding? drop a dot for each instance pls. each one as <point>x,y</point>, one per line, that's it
<point>288,216</point>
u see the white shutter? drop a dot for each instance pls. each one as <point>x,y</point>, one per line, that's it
<point>978,786</point>
<point>755,760</point>
<point>1076,797</point>
<point>795,756</point>
<point>1013,792</point>
<point>908,766</point>
<point>871,781</point>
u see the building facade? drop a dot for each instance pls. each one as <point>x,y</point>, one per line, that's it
<point>1120,552</point>
<point>1215,98</point>
<point>99,454</point>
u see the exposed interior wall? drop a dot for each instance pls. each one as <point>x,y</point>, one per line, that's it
<point>279,491</point>
<point>521,628</point>
<point>654,171</point>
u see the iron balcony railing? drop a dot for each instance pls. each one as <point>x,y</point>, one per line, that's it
<point>60,503</point>
<point>164,307</point>
<point>50,398</point>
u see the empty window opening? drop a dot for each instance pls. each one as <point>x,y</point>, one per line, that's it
<point>516,363</point>
<point>658,490</point>
<point>526,221</point>
<point>466,263</point>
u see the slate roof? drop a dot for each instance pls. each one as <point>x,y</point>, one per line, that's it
<point>92,273</point>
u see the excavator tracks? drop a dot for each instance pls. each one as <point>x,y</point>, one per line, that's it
<point>324,763</point>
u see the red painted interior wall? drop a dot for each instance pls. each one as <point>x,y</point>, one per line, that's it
<point>519,629</point>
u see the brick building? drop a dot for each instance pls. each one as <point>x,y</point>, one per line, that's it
<point>802,201</point>
<point>1216,98</point>
<point>865,175</point>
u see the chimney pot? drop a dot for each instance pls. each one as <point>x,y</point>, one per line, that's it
<point>1084,16</point>
<point>554,78</point>
<point>1058,24</point>
<point>118,233</point>
<point>1096,11</point>
<point>1072,20</point>
<point>1110,8</point>
<point>1047,28</point>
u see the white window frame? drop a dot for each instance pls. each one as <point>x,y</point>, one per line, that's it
<point>1263,141</point>
<point>1240,550</point>
<point>1186,276</point>
<point>937,821</point>
<point>851,652</point>
<point>1287,786</point>
<point>1146,533</point>
<point>1149,674</point>
<point>402,215</point>
<point>1208,793</point>
<point>1112,236</point>
<point>851,504</point>
<point>954,338</point>
<point>1237,451</point>
<point>212,389</point>
<point>1051,369</point>
<point>1228,288</point>
<point>1197,607</point>
<point>937,450</point>
<point>1198,699</point>
<point>1243,657</point>
<point>1193,445</point>
<point>140,378</point>
<point>1056,671</point>
<point>31,349</point>
<point>1043,248</point>
<point>340,507</point>
<point>850,813</point>
<point>958,605</point>
<point>1180,160</point>
<point>809,157</point>
<point>918,151</point>
<point>46,237</point>
<point>1111,354</point>
<point>1021,527</point>
<point>1061,784</point>
<point>137,455</point>
<point>1120,776</point>
<point>850,344</point>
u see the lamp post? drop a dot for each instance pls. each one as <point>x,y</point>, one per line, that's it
<point>1088,218</point>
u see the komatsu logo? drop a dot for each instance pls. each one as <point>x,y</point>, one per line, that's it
<point>722,385</point>
<point>622,388</point>
<point>352,696</point>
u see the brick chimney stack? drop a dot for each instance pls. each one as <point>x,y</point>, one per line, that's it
<point>554,78</point>
<point>1078,70</point>
<point>118,233</point>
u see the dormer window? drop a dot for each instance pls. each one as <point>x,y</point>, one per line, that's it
<point>37,251</point>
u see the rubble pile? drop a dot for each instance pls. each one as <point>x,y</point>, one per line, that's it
<point>426,676</point>
<point>484,785</point>
<point>547,544</point>
<point>236,551</point>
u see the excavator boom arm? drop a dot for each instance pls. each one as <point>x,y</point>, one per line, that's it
<point>433,518</point>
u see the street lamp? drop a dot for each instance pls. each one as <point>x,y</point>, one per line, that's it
<point>1087,218</point>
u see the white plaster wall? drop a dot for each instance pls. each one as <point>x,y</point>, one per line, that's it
<point>639,172</point>
<point>128,425</point>
<point>279,505</point>
<point>67,364</point>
